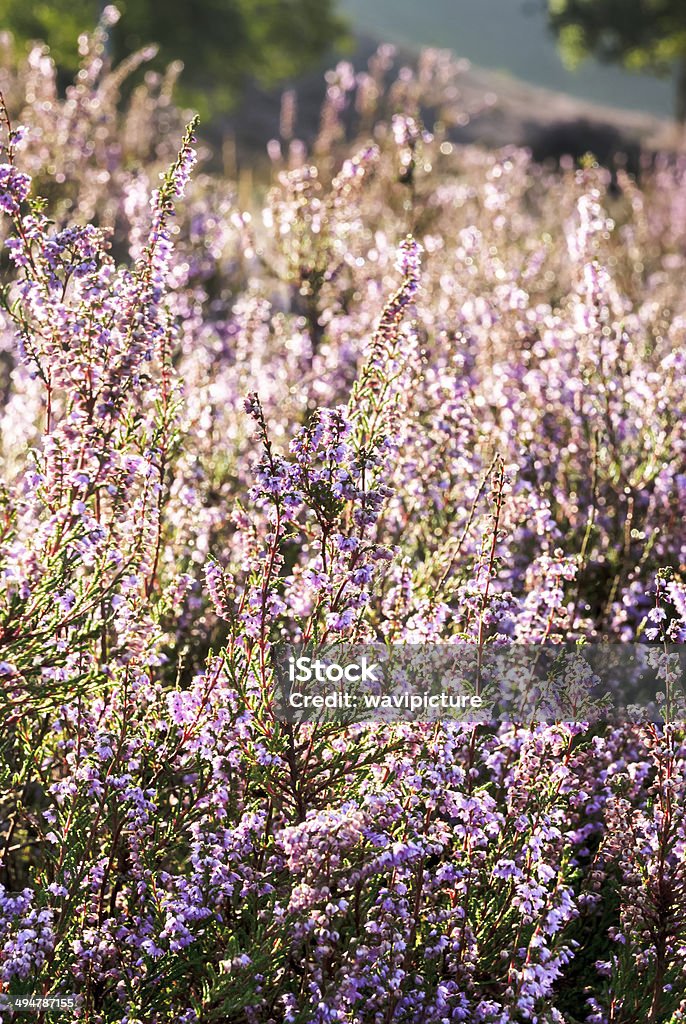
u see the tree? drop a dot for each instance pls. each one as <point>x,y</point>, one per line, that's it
<point>221,42</point>
<point>639,34</point>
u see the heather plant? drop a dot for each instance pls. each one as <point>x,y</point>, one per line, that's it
<point>415,393</point>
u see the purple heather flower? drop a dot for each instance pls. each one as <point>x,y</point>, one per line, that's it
<point>14,188</point>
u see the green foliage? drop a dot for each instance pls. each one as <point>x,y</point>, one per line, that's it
<point>639,34</point>
<point>221,42</point>
<point>648,34</point>
<point>56,21</point>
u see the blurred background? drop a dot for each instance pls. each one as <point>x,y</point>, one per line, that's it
<point>558,75</point>
<point>601,50</point>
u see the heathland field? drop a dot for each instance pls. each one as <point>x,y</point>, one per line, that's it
<point>413,393</point>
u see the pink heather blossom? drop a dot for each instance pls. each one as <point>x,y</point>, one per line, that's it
<point>236,424</point>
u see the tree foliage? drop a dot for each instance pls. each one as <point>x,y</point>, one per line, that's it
<point>221,42</point>
<point>639,34</point>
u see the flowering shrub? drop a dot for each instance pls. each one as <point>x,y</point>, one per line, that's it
<point>424,394</point>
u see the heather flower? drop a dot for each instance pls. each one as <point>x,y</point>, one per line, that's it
<point>14,188</point>
<point>463,438</point>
